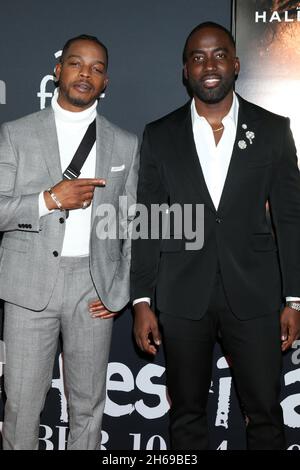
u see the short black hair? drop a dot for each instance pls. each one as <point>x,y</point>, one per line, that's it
<point>207,24</point>
<point>83,37</point>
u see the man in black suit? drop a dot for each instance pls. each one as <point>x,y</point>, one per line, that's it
<point>234,157</point>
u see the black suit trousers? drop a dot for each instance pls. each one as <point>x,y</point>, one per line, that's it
<point>254,348</point>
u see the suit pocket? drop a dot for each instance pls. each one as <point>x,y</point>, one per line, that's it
<point>171,246</point>
<point>14,244</point>
<point>116,174</point>
<point>263,242</point>
<point>114,185</point>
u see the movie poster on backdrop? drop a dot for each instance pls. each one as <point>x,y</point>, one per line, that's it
<point>268,39</point>
<point>267,34</point>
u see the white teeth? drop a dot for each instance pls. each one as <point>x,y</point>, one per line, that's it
<point>211,81</point>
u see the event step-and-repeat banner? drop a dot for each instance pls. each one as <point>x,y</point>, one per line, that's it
<point>145,42</point>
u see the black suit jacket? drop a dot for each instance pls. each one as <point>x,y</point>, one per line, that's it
<point>258,267</point>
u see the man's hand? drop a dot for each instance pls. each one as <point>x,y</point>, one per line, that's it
<point>73,193</point>
<point>146,328</point>
<point>98,310</point>
<point>290,327</point>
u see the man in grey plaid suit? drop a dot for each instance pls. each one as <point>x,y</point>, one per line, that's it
<point>57,273</point>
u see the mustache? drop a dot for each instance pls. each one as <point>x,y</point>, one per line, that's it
<point>83,82</point>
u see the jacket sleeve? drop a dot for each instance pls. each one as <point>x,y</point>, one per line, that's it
<point>285,211</point>
<point>17,211</point>
<point>146,250</point>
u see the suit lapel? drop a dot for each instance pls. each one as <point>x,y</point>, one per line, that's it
<point>47,138</point>
<point>104,147</point>
<point>246,117</point>
<point>186,149</point>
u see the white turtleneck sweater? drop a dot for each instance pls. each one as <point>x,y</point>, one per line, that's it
<point>71,128</point>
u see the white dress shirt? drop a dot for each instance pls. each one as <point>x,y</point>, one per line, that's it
<point>71,127</point>
<point>215,159</point>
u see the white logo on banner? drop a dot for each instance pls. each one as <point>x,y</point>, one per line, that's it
<point>125,383</point>
<point>292,402</point>
<point>43,94</point>
<point>224,396</point>
<point>48,436</point>
<point>59,384</point>
<point>2,92</point>
<point>276,17</point>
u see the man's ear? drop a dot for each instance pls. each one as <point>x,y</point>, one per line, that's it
<point>237,66</point>
<point>104,87</point>
<point>57,70</point>
<point>185,72</point>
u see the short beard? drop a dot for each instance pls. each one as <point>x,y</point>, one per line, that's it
<point>78,102</point>
<point>212,95</point>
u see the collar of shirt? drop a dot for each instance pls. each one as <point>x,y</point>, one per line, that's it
<point>82,117</point>
<point>232,116</point>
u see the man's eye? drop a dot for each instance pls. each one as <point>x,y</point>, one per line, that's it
<point>97,70</point>
<point>198,58</point>
<point>75,64</point>
<point>221,55</point>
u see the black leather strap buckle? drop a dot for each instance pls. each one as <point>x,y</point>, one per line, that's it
<point>70,173</point>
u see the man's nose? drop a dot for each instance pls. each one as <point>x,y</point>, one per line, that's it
<point>210,63</point>
<point>85,71</point>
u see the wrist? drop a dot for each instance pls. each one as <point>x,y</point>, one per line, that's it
<point>141,307</point>
<point>55,204</point>
<point>295,305</point>
<point>50,204</point>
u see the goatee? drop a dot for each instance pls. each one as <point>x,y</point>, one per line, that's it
<point>211,95</point>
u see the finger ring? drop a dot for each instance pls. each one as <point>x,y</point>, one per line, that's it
<point>85,204</point>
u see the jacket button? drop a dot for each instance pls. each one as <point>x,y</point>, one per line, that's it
<point>218,220</point>
<point>61,220</point>
<point>55,253</point>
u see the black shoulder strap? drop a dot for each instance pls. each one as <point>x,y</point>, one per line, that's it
<point>81,154</point>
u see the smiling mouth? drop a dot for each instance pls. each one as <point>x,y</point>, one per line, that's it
<point>211,82</point>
